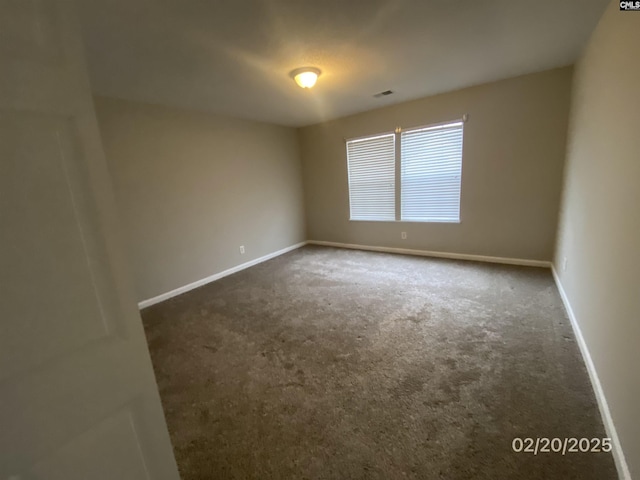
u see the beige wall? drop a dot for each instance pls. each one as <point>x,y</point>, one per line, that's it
<point>514,148</point>
<point>599,231</point>
<point>192,187</point>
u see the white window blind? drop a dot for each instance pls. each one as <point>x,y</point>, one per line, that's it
<point>431,169</point>
<point>372,178</point>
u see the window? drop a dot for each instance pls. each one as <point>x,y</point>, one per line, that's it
<point>372,177</point>
<point>429,166</point>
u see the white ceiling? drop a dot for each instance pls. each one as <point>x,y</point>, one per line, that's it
<point>234,56</point>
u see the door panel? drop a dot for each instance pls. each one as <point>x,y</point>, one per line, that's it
<point>78,399</point>
<point>108,451</point>
<point>27,30</point>
<point>45,248</point>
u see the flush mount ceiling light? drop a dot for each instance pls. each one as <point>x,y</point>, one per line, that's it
<point>305,77</point>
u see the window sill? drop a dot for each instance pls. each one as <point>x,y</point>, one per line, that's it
<point>407,221</point>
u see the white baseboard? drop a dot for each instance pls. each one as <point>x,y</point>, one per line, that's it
<point>403,251</point>
<point>618,454</point>
<point>216,276</point>
<point>427,253</point>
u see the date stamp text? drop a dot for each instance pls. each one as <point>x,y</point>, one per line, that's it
<point>563,446</point>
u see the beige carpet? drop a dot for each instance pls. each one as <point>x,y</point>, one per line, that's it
<point>338,364</point>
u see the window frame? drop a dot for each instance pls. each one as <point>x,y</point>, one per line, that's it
<point>398,170</point>
<point>401,165</point>
<point>395,176</point>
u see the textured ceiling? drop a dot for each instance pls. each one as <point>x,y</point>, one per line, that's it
<point>234,56</point>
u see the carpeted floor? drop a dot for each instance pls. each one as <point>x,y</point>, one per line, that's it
<point>339,364</point>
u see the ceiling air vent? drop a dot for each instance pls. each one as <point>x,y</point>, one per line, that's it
<point>383,94</point>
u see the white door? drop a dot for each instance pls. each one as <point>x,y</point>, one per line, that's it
<point>78,399</point>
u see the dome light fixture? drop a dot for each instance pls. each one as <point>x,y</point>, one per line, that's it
<point>305,77</point>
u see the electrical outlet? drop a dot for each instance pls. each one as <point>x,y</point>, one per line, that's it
<point>241,249</point>
<point>403,235</point>
<point>564,264</point>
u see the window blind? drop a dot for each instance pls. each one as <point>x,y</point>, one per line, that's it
<point>431,170</point>
<point>372,178</point>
